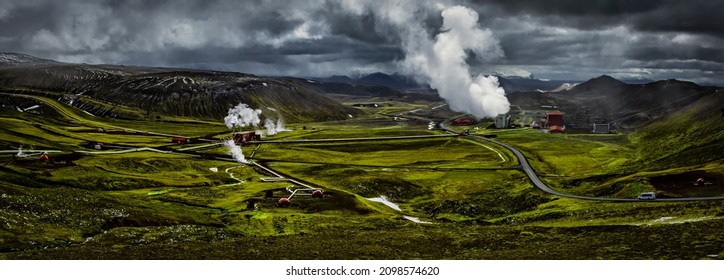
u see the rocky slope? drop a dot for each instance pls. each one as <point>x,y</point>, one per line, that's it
<point>164,91</point>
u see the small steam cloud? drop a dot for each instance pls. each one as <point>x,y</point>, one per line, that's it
<point>273,128</point>
<point>235,151</point>
<point>20,152</point>
<point>441,63</point>
<point>241,116</point>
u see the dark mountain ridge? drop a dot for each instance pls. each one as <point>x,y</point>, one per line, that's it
<point>605,99</point>
<point>516,84</point>
<point>177,92</point>
<point>8,59</point>
<point>407,83</point>
<point>376,86</point>
<point>395,81</point>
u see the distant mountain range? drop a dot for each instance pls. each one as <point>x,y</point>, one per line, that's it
<point>406,88</point>
<point>509,83</point>
<point>514,84</point>
<point>377,86</point>
<point>394,81</point>
<point>407,83</point>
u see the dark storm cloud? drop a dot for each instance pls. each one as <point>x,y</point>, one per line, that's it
<point>362,29</point>
<point>576,7</point>
<point>171,33</point>
<point>552,39</point>
<point>652,39</point>
<point>696,16</point>
<point>700,17</point>
<point>323,50</point>
<point>368,27</point>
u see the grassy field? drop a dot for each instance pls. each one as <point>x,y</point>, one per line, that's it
<point>433,153</point>
<point>608,165</point>
<point>169,206</point>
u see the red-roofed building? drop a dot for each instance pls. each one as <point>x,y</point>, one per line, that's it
<point>180,140</point>
<point>241,138</point>
<point>463,122</point>
<point>555,122</point>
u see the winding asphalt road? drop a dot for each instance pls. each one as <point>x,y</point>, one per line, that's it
<point>538,183</point>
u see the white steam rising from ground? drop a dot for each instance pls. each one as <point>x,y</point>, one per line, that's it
<point>273,128</point>
<point>440,60</point>
<point>242,116</point>
<point>235,151</point>
<point>441,63</point>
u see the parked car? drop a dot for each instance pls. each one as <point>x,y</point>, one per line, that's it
<point>647,196</point>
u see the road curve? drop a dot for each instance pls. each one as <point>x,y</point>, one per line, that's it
<point>538,183</point>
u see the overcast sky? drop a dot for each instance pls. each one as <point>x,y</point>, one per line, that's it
<point>558,39</point>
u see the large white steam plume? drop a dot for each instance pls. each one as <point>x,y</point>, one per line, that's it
<point>241,116</point>
<point>235,151</point>
<point>440,60</point>
<point>441,63</point>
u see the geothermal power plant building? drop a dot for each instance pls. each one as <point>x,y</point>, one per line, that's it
<point>601,128</point>
<point>241,138</point>
<point>502,121</point>
<point>555,122</point>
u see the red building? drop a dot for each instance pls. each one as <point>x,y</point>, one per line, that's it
<point>463,122</point>
<point>180,140</point>
<point>555,122</point>
<point>241,138</point>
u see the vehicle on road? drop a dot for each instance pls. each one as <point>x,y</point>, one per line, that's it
<point>647,196</point>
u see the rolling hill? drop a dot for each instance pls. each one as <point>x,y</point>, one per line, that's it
<point>607,100</point>
<point>104,89</point>
<point>690,136</point>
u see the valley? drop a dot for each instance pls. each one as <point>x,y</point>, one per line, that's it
<point>465,191</point>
